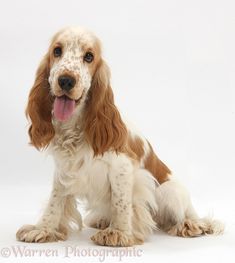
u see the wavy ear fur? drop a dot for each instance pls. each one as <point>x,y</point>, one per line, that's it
<point>104,128</point>
<point>39,108</point>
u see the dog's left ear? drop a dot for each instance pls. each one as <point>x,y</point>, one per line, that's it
<point>39,107</point>
<point>104,128</point>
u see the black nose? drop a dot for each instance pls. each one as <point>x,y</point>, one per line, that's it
<point>66,82</point>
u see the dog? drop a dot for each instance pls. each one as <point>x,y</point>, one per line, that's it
<point>99,157</point>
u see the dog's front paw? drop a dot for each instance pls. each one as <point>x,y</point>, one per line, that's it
<point>39,234</point>
<point>112,237</point>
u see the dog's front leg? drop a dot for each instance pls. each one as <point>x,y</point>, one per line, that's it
<point>119,232</point>
<point>51,226</point>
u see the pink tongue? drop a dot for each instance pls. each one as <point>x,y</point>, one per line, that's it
<point>63,108</point>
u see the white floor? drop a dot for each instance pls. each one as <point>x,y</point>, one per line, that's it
<point>22,204</point>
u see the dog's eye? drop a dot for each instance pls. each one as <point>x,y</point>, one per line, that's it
<point>57,51</point>
<point>88,57</point>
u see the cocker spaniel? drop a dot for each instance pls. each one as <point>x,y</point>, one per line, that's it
<point>99,158</point>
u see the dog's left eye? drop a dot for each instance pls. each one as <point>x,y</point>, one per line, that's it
<point>57,51</point>
<point>88,57</point>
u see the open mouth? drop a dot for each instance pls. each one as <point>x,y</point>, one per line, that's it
<point>64,107</point>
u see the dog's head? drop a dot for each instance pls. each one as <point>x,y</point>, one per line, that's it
<point>74,56</point>
<point>73,78</point>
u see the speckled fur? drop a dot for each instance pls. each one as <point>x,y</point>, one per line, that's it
<point>72,62</point>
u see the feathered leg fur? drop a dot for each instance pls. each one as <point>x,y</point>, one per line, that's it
<point>176,215</point>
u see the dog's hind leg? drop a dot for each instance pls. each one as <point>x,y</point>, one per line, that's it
<point>176,214</point>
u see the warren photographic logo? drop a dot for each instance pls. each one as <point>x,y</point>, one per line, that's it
<point>101,254</point>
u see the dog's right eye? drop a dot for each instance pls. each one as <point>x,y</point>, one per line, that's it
<point>57,52</point>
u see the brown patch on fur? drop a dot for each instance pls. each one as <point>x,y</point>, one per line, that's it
<point>39,107</point>
<point>104,128</point>
<point>156,167</point>
<point>136,147</point>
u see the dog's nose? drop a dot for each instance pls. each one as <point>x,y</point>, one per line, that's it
<point>66,82</point>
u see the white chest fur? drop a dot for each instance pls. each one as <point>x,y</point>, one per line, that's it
<point>82,174</point>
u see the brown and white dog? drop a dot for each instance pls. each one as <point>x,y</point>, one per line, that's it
<point>99,158</point>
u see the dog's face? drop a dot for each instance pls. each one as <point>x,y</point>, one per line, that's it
<point>74,56</point>
<point>73,82</point>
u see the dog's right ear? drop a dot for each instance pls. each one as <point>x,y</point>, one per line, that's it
<point>39,107</point>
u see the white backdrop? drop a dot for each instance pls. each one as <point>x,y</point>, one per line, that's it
<point>173,75</point>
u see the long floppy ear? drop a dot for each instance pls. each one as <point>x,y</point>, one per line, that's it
<point>104,128</point>
<point>39,108</point>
